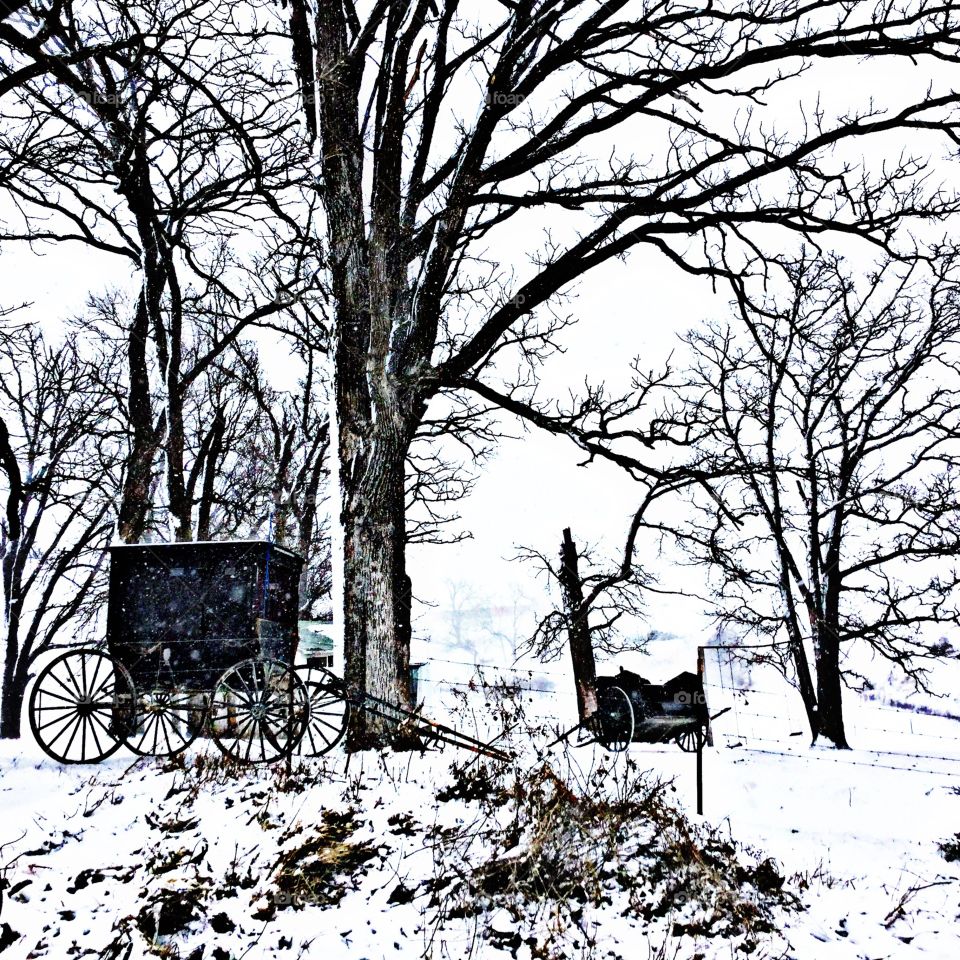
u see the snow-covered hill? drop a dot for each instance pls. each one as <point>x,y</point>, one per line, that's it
<point>573,854</point>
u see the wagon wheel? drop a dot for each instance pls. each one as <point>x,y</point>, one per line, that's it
<point>614,718</point>
<point>81,706</point>
<point>258,711</point>
<point>165,722</point>
<point>690,741</point>
<point>329,711</point>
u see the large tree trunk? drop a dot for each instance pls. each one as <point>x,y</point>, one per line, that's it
<point>211,465</point>
<point>830,691</point>
<point>146,437</point>
<point>378,399</point>
<point>14,679</point>
<point>797,650</point>
<point>11,704</point>
<point>376,588</point>
<point>805,682</point>
<point>14,685</point>
<point>181,512</point>
<point>826,633</point>
<point>8,461</point>
<point>829,681</point>
<point>138,474</point>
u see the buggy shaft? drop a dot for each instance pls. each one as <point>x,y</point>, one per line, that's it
<point>431,728</point>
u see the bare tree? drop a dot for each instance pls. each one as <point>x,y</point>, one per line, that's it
<point>63,453</point>
<point>443,130</point>
<point>255,457</point>
<point>159,133</point>
<point>830,415</point>
<point>265,462</point>
<point>609,593</point>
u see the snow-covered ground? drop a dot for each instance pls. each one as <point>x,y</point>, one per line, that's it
<point>862,826</point>
<point>97,857</point>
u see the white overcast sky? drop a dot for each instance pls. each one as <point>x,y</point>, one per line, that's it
<point>532,488</point>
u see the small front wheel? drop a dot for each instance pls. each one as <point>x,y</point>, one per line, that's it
<point>81,706</point>
<point>690,741</point>
<point>328,714</point>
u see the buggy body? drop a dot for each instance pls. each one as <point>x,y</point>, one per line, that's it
<point>180,614</point>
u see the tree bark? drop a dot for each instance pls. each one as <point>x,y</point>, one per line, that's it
<point>376,398</point>
<point>797,650</point>
<point>376,593</point>
<point>212,464</point>
<point>138,475</point>
<point>14,691</point>
<point>805,681</point>
<point>180,506</point>
<point>11,696</point>
<point>134,185</point>
<point>8,460</point>
<point>829,680</point>
<point>830,691</point>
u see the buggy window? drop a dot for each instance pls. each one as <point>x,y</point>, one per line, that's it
<point>180,602</point>
<point>282,594</point>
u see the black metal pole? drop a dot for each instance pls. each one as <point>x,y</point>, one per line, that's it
<point>700,739</point>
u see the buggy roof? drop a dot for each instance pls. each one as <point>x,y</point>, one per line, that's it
<point>205,546</point>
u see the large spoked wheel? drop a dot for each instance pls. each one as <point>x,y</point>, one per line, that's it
<point>81,706</point>
<point>258,711</point>
<point>167,720</point>
<point>328,711</point>
<point>690,741</point>
<point>615,720</point>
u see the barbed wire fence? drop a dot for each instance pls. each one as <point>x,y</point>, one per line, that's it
<point>755,688</point>
<point>766,712</point>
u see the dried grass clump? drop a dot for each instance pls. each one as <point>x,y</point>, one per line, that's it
<point>316,869</point>
<point>950,848</point>
<point>555,852</point>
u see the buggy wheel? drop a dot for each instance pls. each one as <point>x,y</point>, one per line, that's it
<point>258,711</point>
<point>81,706</point>
<point>328,711</point>
<point>614,719</point>
<point>165,722</point>
<point>690,740</point>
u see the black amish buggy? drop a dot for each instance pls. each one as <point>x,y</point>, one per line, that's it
<point>202,638</point>
<point>624,708</point>
<point>631,709</point>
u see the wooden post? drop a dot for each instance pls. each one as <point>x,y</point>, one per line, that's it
<point>292,656</point>
<point>703,706</point>
<point>581,648</point>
